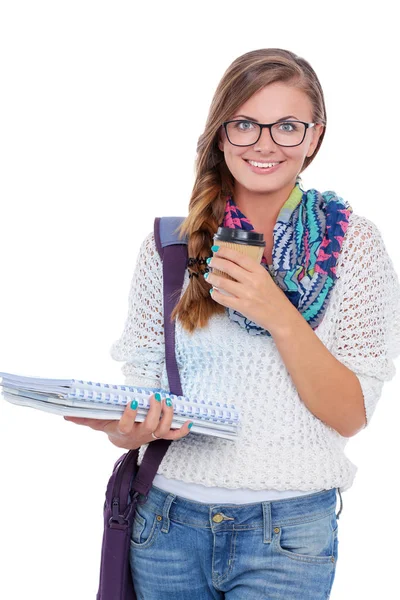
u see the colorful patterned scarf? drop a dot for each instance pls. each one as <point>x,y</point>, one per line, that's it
<point>308,237</point>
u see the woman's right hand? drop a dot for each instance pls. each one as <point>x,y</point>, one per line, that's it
<point>128,434</point>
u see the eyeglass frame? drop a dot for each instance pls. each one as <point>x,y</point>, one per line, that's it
<point>268,126</point>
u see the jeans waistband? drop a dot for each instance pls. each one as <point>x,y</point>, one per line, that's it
<point>267,514</point>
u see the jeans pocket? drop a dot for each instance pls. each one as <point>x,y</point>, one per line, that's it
<point>145,527</point>
<point>311,541</point>
<point>335,526</point>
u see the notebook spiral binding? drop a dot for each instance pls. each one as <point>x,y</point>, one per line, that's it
<point>222,413</point>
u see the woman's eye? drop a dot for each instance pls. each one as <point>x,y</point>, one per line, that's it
<point>244,125</point>
<point>288,125</point>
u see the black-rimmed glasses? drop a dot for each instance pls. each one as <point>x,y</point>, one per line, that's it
<point>241,132</point>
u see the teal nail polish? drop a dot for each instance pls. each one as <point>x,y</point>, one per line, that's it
<point>168,402</point>
<point>190,425</point>
<point>208,260</point>
<point>214,248</point>
<point>157,396</point>
<point>211,290</point>
<point>206,275</point>
<point>134,404</point>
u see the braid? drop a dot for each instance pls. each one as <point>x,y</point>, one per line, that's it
<point>197,261</point>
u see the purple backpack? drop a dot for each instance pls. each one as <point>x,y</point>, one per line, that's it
<point>128,480</point>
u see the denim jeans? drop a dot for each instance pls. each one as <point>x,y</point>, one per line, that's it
<point>282,549</point>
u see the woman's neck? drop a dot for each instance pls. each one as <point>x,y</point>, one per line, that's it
<point>261,208</point>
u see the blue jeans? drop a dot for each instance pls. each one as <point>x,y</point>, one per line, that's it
<point>282,549</point>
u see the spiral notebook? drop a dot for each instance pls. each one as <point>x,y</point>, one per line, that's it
<point>79,398</point>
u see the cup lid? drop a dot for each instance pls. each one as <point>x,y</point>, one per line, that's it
<point>240,236</point>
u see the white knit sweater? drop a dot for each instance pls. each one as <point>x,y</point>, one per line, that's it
<point>282,445</point>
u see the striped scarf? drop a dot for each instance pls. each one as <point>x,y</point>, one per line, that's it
<point>308,237</point>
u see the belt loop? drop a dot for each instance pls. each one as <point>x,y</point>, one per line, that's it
<point>167,504</point>
<point>267,522</point>
<point>341,504</point>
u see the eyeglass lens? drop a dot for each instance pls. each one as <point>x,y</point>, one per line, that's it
<point>245,133</point>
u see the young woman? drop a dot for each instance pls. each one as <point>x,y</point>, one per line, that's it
<point>302,346</point>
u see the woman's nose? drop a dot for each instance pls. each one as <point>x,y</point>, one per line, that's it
<point>265,140</point>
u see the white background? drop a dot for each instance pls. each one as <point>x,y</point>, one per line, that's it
<point>101,107</point>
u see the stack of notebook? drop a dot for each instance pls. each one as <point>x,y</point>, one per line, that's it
<point>78,398</point>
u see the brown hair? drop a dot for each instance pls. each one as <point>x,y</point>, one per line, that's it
<point>247,75</point>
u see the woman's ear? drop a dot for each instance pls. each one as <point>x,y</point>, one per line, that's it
<point>220,141</point>
<point>317,132</point>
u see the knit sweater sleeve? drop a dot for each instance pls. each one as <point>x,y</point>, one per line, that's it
<point>141,345</point>
<point>367,338</point>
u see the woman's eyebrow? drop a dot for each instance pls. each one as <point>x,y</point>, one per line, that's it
<point>256,121</point>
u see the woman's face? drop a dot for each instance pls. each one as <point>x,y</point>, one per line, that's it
<point>271,103</point>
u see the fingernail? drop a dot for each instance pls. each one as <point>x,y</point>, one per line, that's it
<point>190,425</point>
<point>208,260</point>
<point>157,396</point>
<point>206,275</point>
<point>214,248</point>
<point>134,404</point>
<point>168,402</point>
<point>211,290</point>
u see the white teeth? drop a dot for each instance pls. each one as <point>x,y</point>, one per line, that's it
<point>259,164</point>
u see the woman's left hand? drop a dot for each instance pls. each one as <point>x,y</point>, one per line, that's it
<point>255,295</point>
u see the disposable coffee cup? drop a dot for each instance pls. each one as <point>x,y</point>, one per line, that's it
<point>250,243</point>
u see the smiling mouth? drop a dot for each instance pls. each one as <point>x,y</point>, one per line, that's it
<point>274,163</point>
<point>264,170</point>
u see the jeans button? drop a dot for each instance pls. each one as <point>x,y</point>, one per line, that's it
<point>218,518</point>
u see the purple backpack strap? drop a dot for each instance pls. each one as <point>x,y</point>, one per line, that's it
<point>173,253</point>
